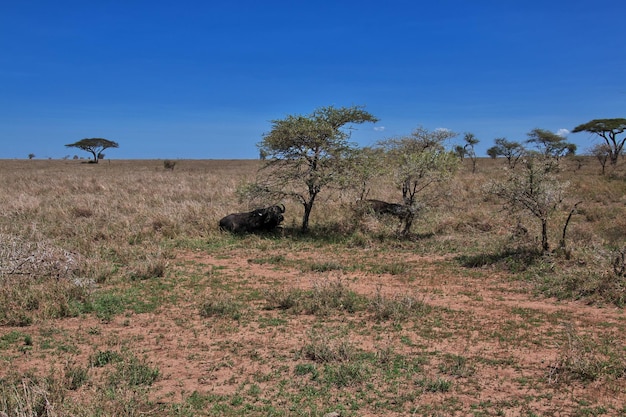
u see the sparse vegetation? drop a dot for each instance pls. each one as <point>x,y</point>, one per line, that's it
<point>120,296</point>
<point>169,164</point>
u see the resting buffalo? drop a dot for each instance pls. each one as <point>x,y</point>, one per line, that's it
<point>259,220</point>
<point>402,212</point>
<point>380,207</point>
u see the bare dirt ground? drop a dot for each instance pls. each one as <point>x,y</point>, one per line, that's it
<point>493,347</point>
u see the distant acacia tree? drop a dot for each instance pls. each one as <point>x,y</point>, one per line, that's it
<point>550,144</point>
<point>470,141</point>
<point>512,151</point>
<point>607,129</point>
<point>95,146</point>
<point>31,155</point>
<point>306,154</point>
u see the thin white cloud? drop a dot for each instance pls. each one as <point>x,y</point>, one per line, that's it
<point>562,132</point>
<point>379,128</point>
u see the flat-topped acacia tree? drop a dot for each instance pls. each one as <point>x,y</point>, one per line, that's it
<point>305,154</point>
<point>94,145</point>
<point>607,129</point>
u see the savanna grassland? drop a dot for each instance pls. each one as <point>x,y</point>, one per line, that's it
<point>119,296</point>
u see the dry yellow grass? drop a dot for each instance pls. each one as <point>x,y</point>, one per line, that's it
<point>117,261</point>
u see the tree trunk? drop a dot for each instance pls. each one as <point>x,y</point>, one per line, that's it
<point>305,217</point>
<point>308,206</point>
<point>408,221</point>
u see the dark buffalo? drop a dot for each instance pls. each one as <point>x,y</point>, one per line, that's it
<point>402,212</point>
<point>380,207</point>
<point>259,220</point>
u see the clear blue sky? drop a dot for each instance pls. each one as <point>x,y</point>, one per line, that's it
<point>203,79</point>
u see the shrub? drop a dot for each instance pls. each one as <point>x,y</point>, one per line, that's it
<point>169,164</point>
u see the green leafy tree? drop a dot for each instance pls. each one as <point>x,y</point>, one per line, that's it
<point>512,151</point>
<point>607,129</point>
<point>550,144</point>
<point>418,164</point>
<point>362,166</point>
<point>534,189</point>
<point>94,145</point>
<point>306,154</point>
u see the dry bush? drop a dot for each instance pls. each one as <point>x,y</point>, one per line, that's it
<point>38,279</point>
<point>169,164</point>
<point>582,358</point>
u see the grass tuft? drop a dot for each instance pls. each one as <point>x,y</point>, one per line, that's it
<point>325,297</point>
<point>396,308</point>
<point>221,304</point>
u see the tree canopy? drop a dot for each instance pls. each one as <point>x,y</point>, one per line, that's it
<point>535,189</point>
<point>304,154</point>
<point>551,144</point>
<point>94,145</point>
<point>512,151</point>
<point>607,129</point>
<point>418,163</point>
<point>468,149</point>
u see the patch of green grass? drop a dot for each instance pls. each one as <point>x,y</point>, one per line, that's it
<point>103,358</point>
<point>133,372</point>
<point>306,369</point>
<point>106,305</point>
<point>12,337</point>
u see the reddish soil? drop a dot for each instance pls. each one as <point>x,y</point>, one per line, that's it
<point>513,340</point>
